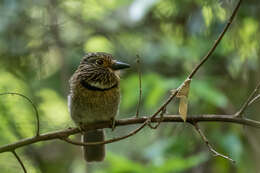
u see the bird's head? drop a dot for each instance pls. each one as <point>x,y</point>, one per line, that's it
<point>100,70</point>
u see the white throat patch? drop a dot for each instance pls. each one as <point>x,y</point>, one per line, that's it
<point>99,85</point>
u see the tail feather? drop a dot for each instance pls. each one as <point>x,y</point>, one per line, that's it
<point>94,153</point>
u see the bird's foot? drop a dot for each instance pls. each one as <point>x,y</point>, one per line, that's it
<point>81,128</point>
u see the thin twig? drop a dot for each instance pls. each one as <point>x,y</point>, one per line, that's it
<point>217,41</point>
<point>246,104</point>
<point>197,67</point>
<point>159,122</point>
<point>140,85</point>
<point>129,121</point>
<point>163,106</point>
<point>254,100</point>
<point>204,138</point>
<point>33,105</point>
<point>20,161</point>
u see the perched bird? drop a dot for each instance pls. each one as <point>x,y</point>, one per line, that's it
<point>94,97</point>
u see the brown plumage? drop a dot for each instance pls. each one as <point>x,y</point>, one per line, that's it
<point>94,97</point>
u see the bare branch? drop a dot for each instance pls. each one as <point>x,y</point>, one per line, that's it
<point>217,41</point>
<point>248,101</point>
<point>20,161</point>
<point>204,138</point>
<point>140,85</point>
<point>159,122</point>
<point>254,100</point>
<point>196,68</point>
<point>34,107</point>
<point>61,134</point>
<point>107,141</point>
<point>163,106</point>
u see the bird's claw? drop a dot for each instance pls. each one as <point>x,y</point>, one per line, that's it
<point>81,128</point>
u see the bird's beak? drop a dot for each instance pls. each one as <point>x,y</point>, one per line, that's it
<point>119,65</point>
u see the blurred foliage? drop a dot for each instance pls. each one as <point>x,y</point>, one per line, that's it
<point>42,42</point>
<point>118,164</point>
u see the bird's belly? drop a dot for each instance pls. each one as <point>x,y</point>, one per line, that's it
<point>94,106</point>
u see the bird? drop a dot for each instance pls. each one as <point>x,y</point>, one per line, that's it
<point>94,97</point>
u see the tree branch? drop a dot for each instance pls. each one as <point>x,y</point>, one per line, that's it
<point>106,141</point>
<point>217,41</point>
<point>33,105</point>
<point>254,100</point>
<point>140,85</point>
<point>211,149</point>
<point>61,134</point>
<point>249,101</point>
<point>20,161</point>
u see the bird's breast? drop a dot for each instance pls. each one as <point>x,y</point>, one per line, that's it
<point>88,106</point>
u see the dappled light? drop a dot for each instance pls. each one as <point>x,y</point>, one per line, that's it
<point>212,45</point>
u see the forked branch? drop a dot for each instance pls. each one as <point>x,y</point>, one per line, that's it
<point>61,134</point>
<point>251,99</point>
<point>211,149</point>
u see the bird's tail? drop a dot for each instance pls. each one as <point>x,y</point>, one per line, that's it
<point>94,153</point>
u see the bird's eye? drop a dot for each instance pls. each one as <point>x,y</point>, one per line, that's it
<point>99,62</point>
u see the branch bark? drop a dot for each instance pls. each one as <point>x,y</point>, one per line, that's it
<point>61,134</point>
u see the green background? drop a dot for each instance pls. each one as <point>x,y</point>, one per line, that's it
<point>42,42</point>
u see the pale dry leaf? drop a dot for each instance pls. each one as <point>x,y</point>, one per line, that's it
<point>183,108</point>
<point>183,93</point>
